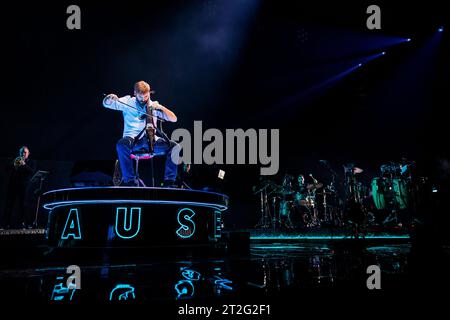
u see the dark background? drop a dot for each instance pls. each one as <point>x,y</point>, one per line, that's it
<point>232,64</point>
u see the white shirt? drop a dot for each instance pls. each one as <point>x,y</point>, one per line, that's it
<point>133,124</point>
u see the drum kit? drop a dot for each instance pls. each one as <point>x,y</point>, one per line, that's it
<point>392,190</point>
<point>291,206</point>
<point>298,204</point>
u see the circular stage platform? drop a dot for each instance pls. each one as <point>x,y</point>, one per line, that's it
<point>132,217</point>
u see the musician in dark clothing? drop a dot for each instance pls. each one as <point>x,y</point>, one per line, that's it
<point>21,171</point>
<point>302,203</point>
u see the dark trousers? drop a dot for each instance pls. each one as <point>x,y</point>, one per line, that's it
<point>127,145</point>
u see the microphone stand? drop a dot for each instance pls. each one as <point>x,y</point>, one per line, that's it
<point>266,219</point>
<point>337,210</point>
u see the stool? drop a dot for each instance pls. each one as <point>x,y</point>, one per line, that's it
<point>143,156</point>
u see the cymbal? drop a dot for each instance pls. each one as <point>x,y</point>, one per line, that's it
<point>357,170</point>
<point>314,186</point>
<point>283,191</point>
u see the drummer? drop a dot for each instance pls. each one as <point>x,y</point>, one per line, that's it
<point>303,191</point>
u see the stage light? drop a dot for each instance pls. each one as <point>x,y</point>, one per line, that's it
<point>441,29</point>
<point>383,53</point>
<point>408,40</point>
<point>359,65</point>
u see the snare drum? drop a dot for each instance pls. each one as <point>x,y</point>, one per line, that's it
<point>310,201</point>
<point>304,200</point>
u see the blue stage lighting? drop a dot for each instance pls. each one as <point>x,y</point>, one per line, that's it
<point>383,53</point>
<point>408,40</point>
<point>441,29</point>
<point>359,65</point>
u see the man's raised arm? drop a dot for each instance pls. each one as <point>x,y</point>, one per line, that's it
<point>166,113</point>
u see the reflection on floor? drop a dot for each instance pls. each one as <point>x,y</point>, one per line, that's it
<point>269,270</point>
<point>279,265</point>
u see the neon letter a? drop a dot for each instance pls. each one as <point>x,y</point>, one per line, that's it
<point>72,227</point>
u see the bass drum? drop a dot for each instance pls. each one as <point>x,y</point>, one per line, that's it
<point>401,195</point>
<point>378,187</point>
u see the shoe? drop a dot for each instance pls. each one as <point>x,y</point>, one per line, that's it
<point>170,184</point>
<point>131,183</point>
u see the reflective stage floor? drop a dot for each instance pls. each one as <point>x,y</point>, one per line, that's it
<point>273,271</point>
